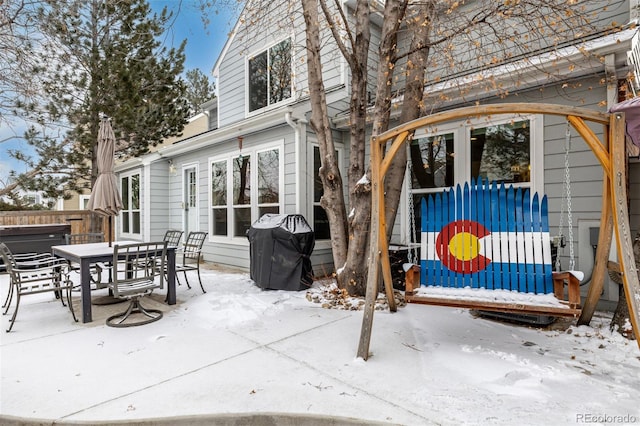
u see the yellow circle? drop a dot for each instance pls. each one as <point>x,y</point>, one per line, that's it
<point>464,246</point>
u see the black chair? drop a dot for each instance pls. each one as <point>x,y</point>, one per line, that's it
<point>96,269</point>
<point>39,274</point>
<point>188,256</point>
<point>136,275</point>
<point>173,237</point>
<point>27,259</point>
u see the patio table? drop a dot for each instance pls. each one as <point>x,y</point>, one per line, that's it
<point>88,254</point>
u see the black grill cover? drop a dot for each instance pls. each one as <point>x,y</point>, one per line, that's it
<point>280,246</point>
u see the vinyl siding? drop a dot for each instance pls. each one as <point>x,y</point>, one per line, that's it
<point>230,251</point>
<point>253,39</point>
<point>481,48</point>
<point>159,201</point>
<point>165,203</point>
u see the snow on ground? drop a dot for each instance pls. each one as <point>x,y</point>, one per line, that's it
<point>238,348</point>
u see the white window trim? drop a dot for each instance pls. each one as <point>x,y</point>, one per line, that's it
<point>217,159</point>
<point>462,147</point>
<point>462,150</point>
<point>228,159</point>
<point>536,153</point>
<point>140,208</point>
<point>83,200</point>
<point>252,55</point>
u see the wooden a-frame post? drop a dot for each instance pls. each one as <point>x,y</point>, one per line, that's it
<point>611,155</point>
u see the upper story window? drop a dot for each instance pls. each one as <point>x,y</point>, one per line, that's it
<point>269,76</point>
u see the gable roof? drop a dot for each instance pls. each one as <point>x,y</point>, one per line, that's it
<point>230,38</point>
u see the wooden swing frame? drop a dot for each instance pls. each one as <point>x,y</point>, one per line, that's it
<point>610,153</point>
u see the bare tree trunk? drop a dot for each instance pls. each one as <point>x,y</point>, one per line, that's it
<point>354,275</point>
<point>419,24</point>
<point>358,102</point>
<point>620,321</point>
<point>333,199</point>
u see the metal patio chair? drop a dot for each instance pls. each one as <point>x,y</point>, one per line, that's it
<point>173,237</point>
<point>39,274</point>
<point>96,269</point>
<point>27,259</point>
<point>188,256</point>
<point>137,274</point>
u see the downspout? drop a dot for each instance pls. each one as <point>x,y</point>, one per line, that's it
<point>612,80</point>
<point>295,124</point>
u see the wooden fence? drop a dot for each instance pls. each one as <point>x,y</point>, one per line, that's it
<point>81,221</point>
<point>486,236</point>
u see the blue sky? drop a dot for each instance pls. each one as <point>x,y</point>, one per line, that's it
<point>203,44</point>
<point>202,50</point>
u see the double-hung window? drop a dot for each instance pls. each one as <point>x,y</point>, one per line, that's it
<point>269,76</point>
<point>243,188</point>
<point>130,192</point>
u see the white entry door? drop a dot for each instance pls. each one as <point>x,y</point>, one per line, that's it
<point>190,202</point>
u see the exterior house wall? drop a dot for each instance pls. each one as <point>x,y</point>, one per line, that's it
<point>77,201</point>
<point>233,250</point>
<point>286,126</point>
<point>155,183</point>
<point>196,125</point>
<point>492,44</point>
<point>586,175</point>
<point>250,40</point>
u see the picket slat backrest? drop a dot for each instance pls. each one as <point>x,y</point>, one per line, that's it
<point>486,236</point>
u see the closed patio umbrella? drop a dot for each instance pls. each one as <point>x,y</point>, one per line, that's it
<point>631,109</point>
<point>105,198</point>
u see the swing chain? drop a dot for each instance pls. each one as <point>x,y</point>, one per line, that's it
<point>566,199</point>
<point>411,256</point>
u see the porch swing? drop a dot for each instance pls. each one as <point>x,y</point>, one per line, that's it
<point>610,153</point>
<point>505,273</point>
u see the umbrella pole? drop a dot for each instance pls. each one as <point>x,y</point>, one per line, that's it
<point>110,224</point>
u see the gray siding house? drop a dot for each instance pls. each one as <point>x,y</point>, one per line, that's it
<point>260,156</point>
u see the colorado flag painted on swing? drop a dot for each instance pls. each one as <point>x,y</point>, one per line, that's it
<point>486,236</point>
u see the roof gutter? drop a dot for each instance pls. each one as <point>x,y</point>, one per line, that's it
<point>207,139</point>
<point>547,68</point>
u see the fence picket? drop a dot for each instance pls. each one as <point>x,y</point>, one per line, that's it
<point>477,215</point>
<point>529,259</point>
<point>485,235</point>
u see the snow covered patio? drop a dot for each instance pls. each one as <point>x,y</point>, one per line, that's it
<point>241,355</point>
